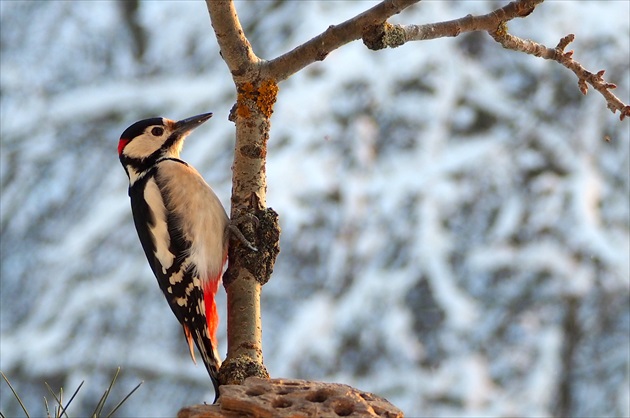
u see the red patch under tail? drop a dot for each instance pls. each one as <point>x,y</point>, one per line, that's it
<point>212,315</point>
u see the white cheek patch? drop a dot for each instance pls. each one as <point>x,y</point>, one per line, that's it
<point>142,146</point>
<point>159,231</point>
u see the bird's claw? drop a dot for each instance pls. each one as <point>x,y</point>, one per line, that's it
<point>239,235</point>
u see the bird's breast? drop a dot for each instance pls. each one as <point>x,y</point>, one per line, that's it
<point>195,214</point>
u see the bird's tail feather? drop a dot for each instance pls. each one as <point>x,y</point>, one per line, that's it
<point>202,331</point>
<point>210,358</point>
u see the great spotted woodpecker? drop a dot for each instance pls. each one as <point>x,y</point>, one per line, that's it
<point>183,227</point>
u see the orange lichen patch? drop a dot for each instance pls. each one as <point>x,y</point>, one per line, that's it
<point>267,94</point>
<point>247,90</point>
<point>242,110</point>
<point>246,93</point>
<point>263,98</point>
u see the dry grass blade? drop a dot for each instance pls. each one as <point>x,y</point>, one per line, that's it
<point>16,395</point>
<point>60,410</point>
<point>124,399</point>
<point>71,399</point>
<point>47,409</point>
<point>59,400</point>
<point>101,402</point>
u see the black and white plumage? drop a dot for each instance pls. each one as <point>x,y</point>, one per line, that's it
<point>181,224</point>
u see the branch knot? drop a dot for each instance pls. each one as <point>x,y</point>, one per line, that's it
<point>382,36</point>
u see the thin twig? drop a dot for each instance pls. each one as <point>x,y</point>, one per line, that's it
<point>557,54</point>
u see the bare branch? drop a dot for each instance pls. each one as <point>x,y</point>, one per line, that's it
<point>386,35</point>
<point>332,38</point>
<point>557,54</point>
<point>235,48</point>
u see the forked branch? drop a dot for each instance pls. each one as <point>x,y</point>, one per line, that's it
<point>256,87</point>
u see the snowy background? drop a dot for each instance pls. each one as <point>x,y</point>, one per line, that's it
<point>455,227</point>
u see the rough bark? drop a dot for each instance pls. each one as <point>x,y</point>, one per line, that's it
<point>292,398</point>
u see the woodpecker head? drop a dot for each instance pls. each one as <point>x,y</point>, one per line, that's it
<point>148,140</point>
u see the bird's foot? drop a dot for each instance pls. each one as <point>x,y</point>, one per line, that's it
<point>239,235</point>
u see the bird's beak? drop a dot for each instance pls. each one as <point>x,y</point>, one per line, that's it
<point>186,125</point>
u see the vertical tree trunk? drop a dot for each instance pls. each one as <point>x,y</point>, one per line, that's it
<point>249,270</point>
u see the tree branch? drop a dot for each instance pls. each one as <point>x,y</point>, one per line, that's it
<point>332,38</point>
<point>469,23</point>
<point>385,35</point>
<point>557,54</point>
<point>235,48</point>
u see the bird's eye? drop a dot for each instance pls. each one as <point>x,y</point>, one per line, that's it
<point>157,131</point>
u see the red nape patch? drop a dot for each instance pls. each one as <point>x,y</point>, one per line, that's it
<point>121,145</point>
<point>212,315</point>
